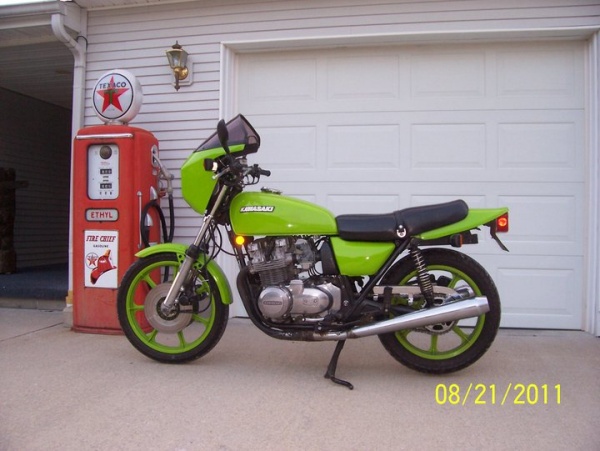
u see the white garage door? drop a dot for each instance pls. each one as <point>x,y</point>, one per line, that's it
<point>370,130</point>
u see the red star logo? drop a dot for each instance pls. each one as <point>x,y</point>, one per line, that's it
<point>92,259</point>
<point>111,95</point>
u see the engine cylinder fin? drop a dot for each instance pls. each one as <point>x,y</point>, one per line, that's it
<point>273,277</point>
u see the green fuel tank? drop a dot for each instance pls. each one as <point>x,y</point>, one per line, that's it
<point>262,213</point>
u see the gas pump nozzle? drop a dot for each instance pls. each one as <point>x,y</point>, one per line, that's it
<point>164,173</point>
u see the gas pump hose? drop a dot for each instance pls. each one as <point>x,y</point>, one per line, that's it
<point>145,230</point>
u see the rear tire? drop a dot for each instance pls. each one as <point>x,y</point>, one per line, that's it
<point>445,347</point>
<point>190,332</point>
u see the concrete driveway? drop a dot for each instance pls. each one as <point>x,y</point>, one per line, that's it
<point>70,391</point>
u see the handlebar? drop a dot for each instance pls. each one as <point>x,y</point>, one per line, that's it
<point>260,171</point>
<point>237,168</point>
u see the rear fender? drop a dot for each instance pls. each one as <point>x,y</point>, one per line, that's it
<point>475,218</point>
<point>214,270</point>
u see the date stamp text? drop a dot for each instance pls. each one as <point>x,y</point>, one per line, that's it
<point>492,394</point>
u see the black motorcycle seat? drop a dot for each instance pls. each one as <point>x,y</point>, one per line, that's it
<point>400,224</point>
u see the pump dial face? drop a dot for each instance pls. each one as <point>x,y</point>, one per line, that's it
<point>103,171</point>
<point>105,152</point>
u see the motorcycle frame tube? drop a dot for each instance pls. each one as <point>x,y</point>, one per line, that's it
<point>211,266</point>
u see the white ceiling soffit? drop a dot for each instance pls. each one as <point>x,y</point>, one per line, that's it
<point>33,61</point>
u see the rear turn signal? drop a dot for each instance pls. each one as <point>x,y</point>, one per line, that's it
<point>502,223</point>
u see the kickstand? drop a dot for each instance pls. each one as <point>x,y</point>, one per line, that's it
<point>330,374</point>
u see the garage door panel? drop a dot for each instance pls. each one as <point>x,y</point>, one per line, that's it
<point>284,80</point>
<point>472,200</point>
<point>545,145</point>
<point>448,146</point>
<point>450,74</point>
<point>363,146</point>
<point>493,150</point>
<point>364,204</point>
<point>291,148</point>
<point>272,83</point>
<point>335,149</point>
<point>538,76</point>
<point>363,77</point>
<point>539,145</point>
<point>541,74</point>
<point>544,224</point>
<point>542,294</point>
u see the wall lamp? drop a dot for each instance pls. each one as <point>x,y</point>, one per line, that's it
<point>178,62</point>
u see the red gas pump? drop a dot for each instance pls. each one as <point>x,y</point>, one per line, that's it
<point>116,171</point>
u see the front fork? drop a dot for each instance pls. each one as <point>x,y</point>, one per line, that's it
<point>191,256</point>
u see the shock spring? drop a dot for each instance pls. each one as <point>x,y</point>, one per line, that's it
<point>422,275</point>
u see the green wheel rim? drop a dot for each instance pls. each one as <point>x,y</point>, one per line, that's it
<point>466,340</point>
<point>150,336</point>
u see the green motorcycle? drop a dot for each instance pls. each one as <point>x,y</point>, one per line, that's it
<point>307,275</point>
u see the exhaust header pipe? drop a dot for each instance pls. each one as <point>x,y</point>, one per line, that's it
<point>451,312</point>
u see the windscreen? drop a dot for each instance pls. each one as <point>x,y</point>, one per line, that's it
<point>240,132</point>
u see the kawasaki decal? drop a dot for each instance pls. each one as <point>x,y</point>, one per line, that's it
<point>257,209</point>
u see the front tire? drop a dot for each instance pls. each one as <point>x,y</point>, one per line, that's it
<point>189,332</point>
<point>446,347</point>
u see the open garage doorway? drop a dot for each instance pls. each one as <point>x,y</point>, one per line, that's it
<point>36,90</point>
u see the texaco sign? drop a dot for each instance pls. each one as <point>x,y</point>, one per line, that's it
<point>117,97</point>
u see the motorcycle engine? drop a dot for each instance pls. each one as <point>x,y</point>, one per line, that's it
<point>278,262</point>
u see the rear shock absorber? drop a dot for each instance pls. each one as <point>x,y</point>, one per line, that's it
<point>422,275</point>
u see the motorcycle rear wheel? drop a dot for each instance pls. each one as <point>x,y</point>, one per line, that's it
<point>446,347</point>
<point>188,333</point>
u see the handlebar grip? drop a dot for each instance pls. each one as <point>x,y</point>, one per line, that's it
<point>256,170</point>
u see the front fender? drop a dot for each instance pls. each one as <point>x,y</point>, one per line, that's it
<point>214,270</point>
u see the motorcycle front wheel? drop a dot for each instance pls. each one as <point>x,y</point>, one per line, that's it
<point>444,347</point>
<point>190,331</point>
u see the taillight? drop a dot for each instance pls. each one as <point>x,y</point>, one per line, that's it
<point>502,223</point>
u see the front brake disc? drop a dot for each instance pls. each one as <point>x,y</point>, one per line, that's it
<point>172,322</point>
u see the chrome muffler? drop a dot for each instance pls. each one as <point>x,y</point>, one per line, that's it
<point>453,311</point>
